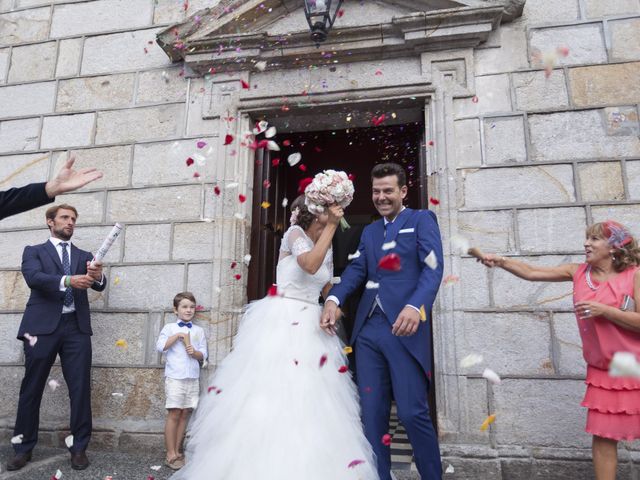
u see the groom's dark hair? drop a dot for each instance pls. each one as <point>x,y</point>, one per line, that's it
<point>387,169</point>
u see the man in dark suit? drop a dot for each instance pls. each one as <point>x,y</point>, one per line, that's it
<point>16,200</point>
<point>392,345</point>
<point>56,321</point>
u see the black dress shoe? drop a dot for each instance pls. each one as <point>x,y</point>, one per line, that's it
<point>18,461</point>
<point>79,460</point>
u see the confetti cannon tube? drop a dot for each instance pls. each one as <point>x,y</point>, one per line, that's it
<point>106,245</point>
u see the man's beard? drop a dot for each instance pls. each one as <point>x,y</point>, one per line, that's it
<point>62,235</point>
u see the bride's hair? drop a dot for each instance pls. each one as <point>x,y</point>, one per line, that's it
<point>304,218</point>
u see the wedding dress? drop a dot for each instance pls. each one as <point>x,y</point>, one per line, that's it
<point>281,406</point>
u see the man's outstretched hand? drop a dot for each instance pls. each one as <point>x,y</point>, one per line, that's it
<point>69,179</point>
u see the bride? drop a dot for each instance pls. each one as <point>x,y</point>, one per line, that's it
<point>282,405</point>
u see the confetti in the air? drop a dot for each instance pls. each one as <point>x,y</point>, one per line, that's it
<point>423,314</point>
<point>388,246</point>
<point>262,65</point>
<point>231,185</point>
<point>343,369</point>
<point>489,420</point>
<point>201,144</point>
<point>294,159</point>
<point>53,384</point>
<point>242,198</point>
<point>450,469</point>
<point>335,280</point>
<point>323,360</point>
<point>347,350</point>
<point>216,190</point>
<point>460,244</point>
<point>68,441</point>
<point>57,476</point>
<point>386,439</point>
<point>237,276</point>
<point>17,439</point>
<point>471,360</point>
<point>245,85</point>
<point>265,204</point>
<point>434,201</point>
<point>390,262</point>
<point>31,339</point>
<point>117,394</point>
<point>450,280</point>
<point>246,259</point>
<point>377,121</point>
<point>353,256</point>
<point>624,364</point>
<point>155,467</point>
<point>228,139</point>
<point>122,343</point>
<point>355,463</point>
<point>492,376</point>
<point>372,285</point>
<point>271,132</point>
<point>431,260</point>
<point>189,161</point>
<point>285,202</point>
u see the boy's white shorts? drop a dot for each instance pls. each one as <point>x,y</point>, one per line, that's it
<point>181,393</point>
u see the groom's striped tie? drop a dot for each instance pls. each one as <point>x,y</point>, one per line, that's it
<point>66,266</point>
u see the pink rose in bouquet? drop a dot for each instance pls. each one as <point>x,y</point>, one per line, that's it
<point>329,187</point>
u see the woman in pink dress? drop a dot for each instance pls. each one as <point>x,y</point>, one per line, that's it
<point>606,294</point>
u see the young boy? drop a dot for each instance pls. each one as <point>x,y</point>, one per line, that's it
<point>185,346</point>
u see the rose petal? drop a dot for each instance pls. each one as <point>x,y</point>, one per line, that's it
<point>246,259</point>
<point>294,159</point>
<point>388,246</point>
<point>450,469</point>
<point>489,420</point>
<point>216,190</point>
<point>302,167</point>
<point>17,440</point>
<point>31,339</point>
<point>390,262</point>
<point>492,376</point>
<point>273,146</point>
<point>261,65</point>
<point>386,439</point>
<point>285,202</point>
<point>53,384</point>
<point>372,285</point>
<point>68,441</point>
<point>286,143</point>
<point>271,132</point>
<point>275,162</point>
<point>353,256</point>
<point>273,290</point>
<point>189,161</point>
<point>434,201</point>
<point>449,280</point>
<point>323,360</point>
<point>245,85</point>
<point>228,139</point>
<point>237,276</point>
<point>335,280</point>
<point>431,260</point>
<point>355,463</point>
<point>343,369</point>
<point>231,185</point>
<point>471,360</point>
<point>242,198</point>
<point>201,144</point>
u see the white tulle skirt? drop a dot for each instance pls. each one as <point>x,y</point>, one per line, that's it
<point>276,409</point>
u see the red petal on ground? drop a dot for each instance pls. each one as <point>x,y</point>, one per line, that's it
<point>189,161</point>
<point>237,276</point>
<point>245,85</point>
<point>228,139</point>
<point>216,190</point>
<point>434,201</point>
<point>242,198</point>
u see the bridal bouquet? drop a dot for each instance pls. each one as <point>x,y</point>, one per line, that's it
<point>329,187</point>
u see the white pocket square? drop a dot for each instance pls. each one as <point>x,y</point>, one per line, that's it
<point>407,230</point>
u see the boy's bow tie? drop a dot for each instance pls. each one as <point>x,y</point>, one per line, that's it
<point>183,324</point>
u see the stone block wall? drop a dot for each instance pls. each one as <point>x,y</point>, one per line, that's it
<point>539,156</point>
<point>87,77</point>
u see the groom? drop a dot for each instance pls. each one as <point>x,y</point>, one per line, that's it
<point>392,344</point>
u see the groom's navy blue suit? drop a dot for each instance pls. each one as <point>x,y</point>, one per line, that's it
<point>67,335</point>
<point>386,362</point>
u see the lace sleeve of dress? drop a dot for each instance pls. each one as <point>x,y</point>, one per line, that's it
<point>328,261</point>
<point>297,241</point>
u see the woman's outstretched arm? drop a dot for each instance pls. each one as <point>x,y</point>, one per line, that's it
<point>527,271</point>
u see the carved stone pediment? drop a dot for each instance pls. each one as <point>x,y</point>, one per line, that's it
<point>236,35</point>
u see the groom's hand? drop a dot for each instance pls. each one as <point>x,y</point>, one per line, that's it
<point>407,322</point>
<point>329,317</point>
